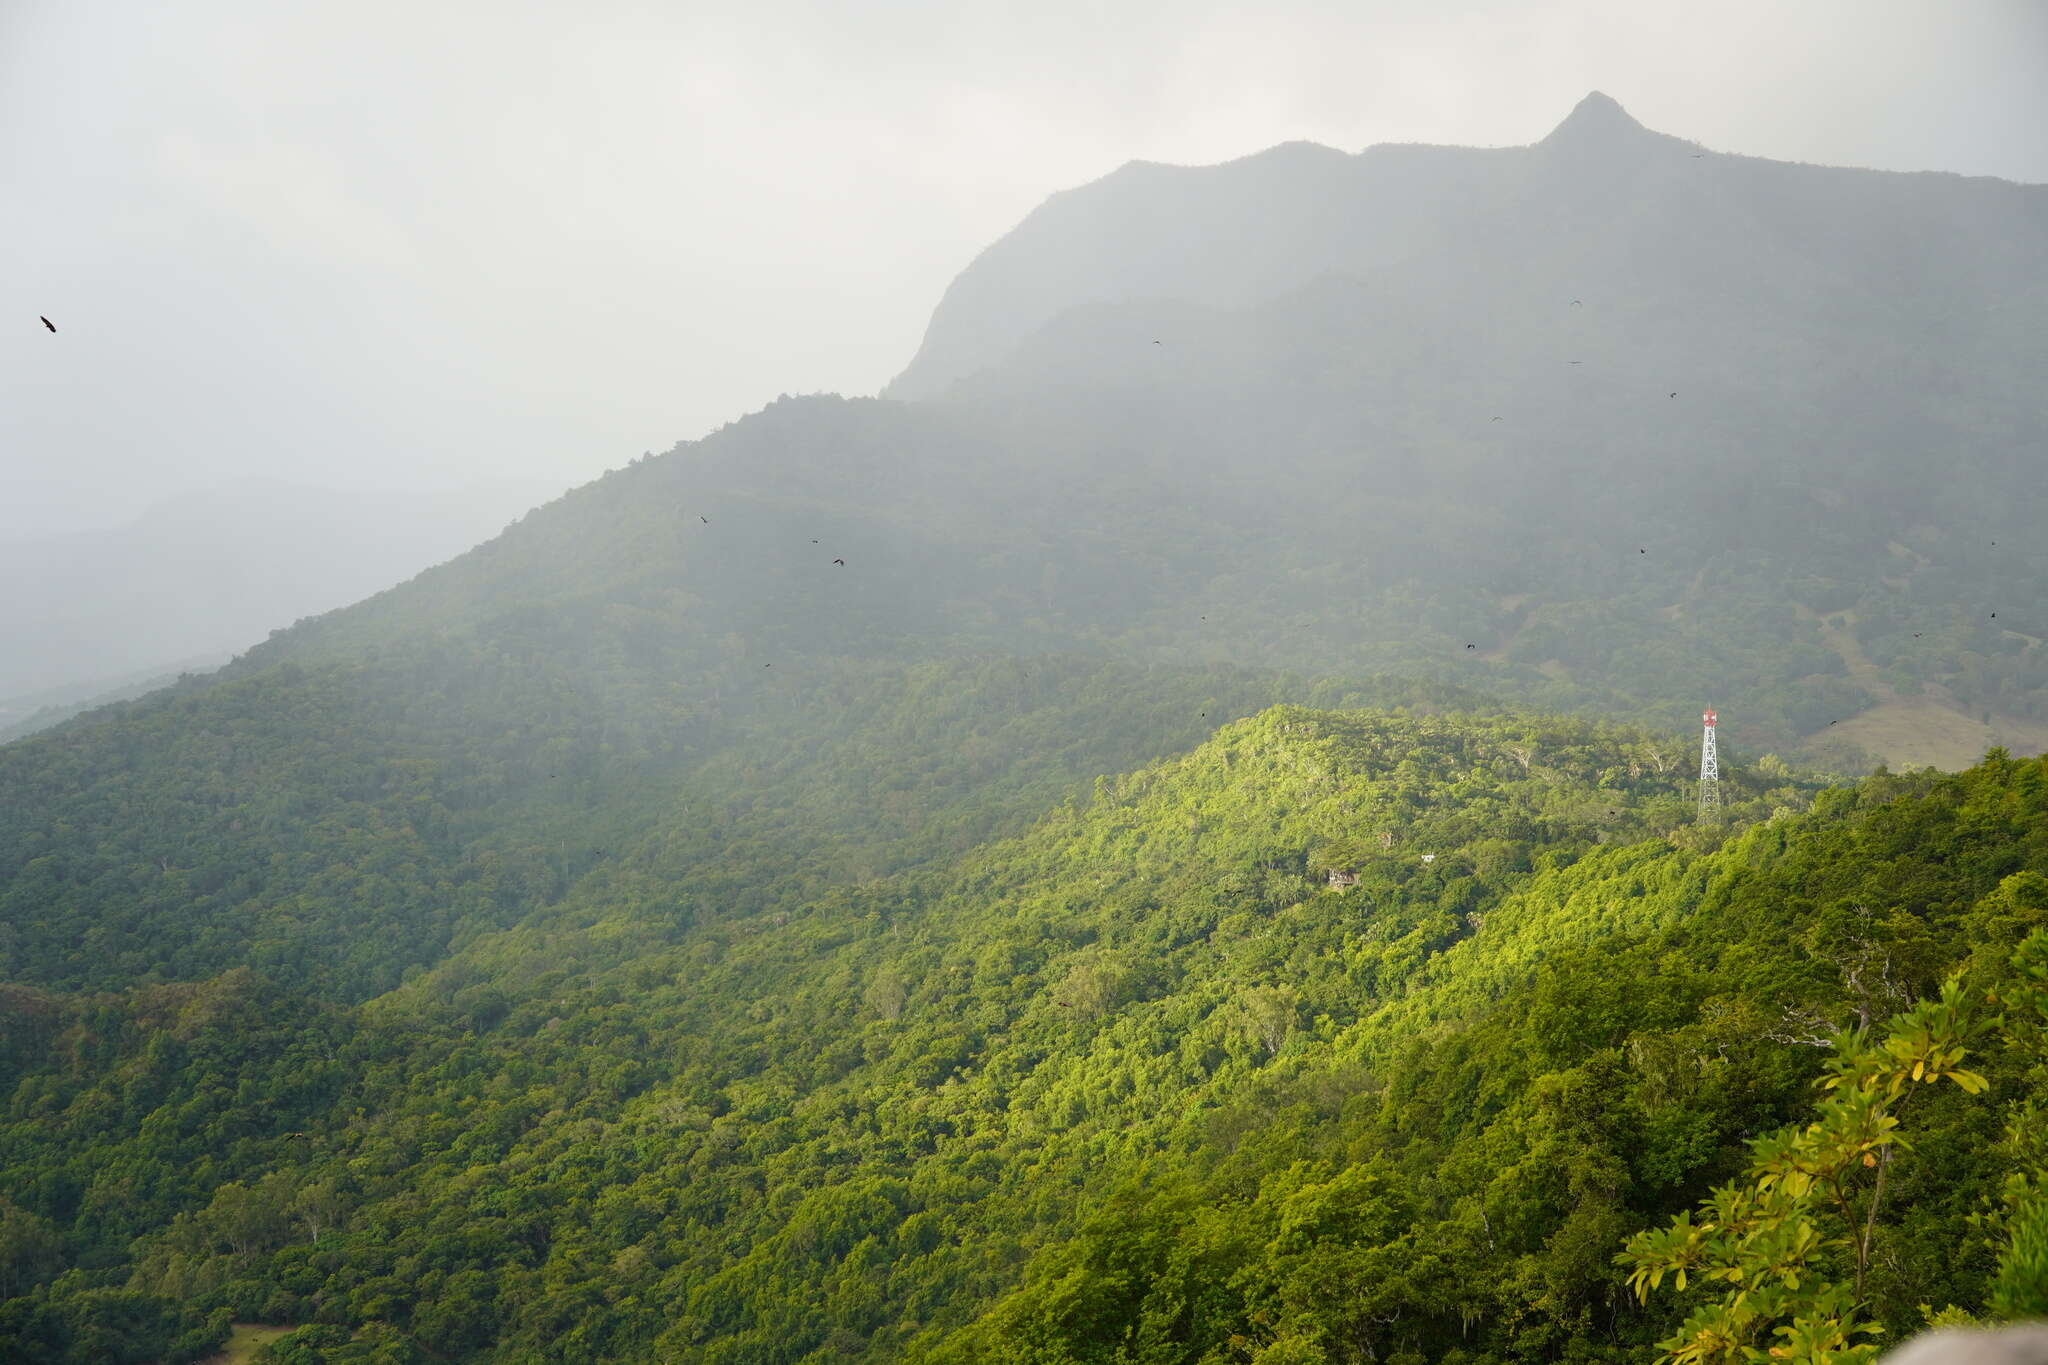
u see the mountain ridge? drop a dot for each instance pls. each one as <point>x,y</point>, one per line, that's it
<point>1597,145</point>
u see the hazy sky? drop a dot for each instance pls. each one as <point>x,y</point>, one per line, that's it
<point>403,244</point>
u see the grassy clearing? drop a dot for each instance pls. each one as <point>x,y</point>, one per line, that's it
<point>1918,732</point>
<point>243,1342</point>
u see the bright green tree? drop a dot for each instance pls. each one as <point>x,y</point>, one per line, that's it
<point>1792,1241</point>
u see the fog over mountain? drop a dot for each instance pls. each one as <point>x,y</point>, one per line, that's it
<point>206,575</point>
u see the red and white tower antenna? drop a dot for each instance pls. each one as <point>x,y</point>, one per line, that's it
<point>1710,773</point>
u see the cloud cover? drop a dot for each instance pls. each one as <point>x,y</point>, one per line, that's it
<point>403,245</point>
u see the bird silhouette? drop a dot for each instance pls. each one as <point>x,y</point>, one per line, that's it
<point>1575,303</point>
<point>1575,362</point>
<point>701,517</point>
<point>1471,646</point>
<point>1672,394</point>
<point>47,323</point>
<point>1641,551</point>
<point>1496,419</point>
<point>840,562</point>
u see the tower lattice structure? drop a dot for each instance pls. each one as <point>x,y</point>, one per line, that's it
<point>1710,773</point>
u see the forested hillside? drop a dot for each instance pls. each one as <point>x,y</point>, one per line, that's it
<point>337,827</point>
<point>1174,839</point>
<point>1135,1084</point>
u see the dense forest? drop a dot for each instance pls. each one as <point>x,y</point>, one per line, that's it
<point>1142,1081</point>
<point>1173,837</point>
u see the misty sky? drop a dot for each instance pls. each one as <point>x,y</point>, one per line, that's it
<point>408,244</point>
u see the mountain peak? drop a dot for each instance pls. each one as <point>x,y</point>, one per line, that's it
<point>1596,118</point>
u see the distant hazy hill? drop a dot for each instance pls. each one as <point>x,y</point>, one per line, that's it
<point>1608,422</point>
<point>1610,406</point>
<point>212,572</point>
<point>28,712</point>
<point>1601,210</point>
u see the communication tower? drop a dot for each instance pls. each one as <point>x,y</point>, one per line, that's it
<point>1710,774</point>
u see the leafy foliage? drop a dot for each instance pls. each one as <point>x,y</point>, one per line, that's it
<point>1138,1082</point>
<point>1807,1199</point>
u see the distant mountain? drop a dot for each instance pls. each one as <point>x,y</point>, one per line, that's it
<point>28,712</point>
<point>1624,399</point>
<point>211,572</point>
<point>1635,224</point>
<point>1607,422</point>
